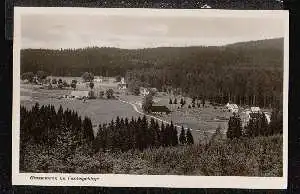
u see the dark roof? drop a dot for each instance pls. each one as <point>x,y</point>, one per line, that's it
<point>160,109</point>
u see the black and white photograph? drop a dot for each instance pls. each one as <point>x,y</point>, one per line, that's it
<point>148,97</point>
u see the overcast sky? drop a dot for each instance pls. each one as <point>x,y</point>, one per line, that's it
<point>75,31</point>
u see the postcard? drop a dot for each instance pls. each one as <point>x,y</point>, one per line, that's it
<point>121,97</point>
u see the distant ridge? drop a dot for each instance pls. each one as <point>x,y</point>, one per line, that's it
<point>275,43</point>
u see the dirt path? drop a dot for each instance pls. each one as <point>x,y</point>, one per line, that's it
<point>151,116</point>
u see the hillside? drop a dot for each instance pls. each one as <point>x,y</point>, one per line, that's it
<point>114,61</point>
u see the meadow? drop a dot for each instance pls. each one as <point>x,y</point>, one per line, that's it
<point>98,110</point>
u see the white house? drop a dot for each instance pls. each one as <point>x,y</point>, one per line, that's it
<point>232,108</point>
<point>80,94</point>
<point>144,91</point>
<point>205,6</point>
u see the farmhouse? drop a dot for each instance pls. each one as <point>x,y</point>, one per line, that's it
<point>232,107</point>
<point>80,94</point>
<point>144,91</point>
<point>160,109</point>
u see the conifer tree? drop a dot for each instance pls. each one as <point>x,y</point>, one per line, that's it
<point>234,127</point>
<point>189,137</point>
<point>145,136</point>
<point>182,138</point>
<point>88,129</point>
<point>157,135</point>
<point>173,135</point>
<point>162,135</point>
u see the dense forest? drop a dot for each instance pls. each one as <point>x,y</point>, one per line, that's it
<point>248,73</point>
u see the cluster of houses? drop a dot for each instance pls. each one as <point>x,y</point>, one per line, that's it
<point>247,114</point>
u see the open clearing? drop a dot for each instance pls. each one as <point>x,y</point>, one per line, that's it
<point>99,110</point>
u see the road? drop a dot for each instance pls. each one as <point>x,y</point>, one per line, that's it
<point>151,116</point>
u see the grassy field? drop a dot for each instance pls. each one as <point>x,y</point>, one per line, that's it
<point>202,121</point>
<point>260,156</point>
<point>99,110</point>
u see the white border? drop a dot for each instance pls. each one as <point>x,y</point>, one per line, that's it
<point>122,180</point>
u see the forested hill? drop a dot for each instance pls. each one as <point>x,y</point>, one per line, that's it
<point>114,61</point>
<point>276,43</point>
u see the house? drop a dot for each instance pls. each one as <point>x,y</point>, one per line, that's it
<point>122,85</point>
<point>144,91</point>
<point>80,94</point>
<point>255,109</point>
<point>247,115</point>
<point>160,109</point>
<point>232,107</point>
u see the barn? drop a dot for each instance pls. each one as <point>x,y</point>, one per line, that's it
<point>160,109</point>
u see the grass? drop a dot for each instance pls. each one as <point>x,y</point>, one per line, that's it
<point>260,156</point>
<point>98,110</point>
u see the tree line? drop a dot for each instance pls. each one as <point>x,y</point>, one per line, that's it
<point>124,134</point>
<point>257,125</point>
<point>45,126</point>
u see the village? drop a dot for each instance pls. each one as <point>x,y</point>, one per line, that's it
<point>104,98</point>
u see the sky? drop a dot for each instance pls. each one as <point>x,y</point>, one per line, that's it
<point>130,32</point>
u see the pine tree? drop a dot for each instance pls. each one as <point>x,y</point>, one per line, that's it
<point>152,132</point>
<point>170,101</point>
<point>182,138</point>
<point>234,127</point>
<point>146,139</point>
<point>88,129</point>
<point>173,135</point>
<point>189,137</point>
<point>157,135</point>
<point>175,101</point>
<point>162,135</point>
